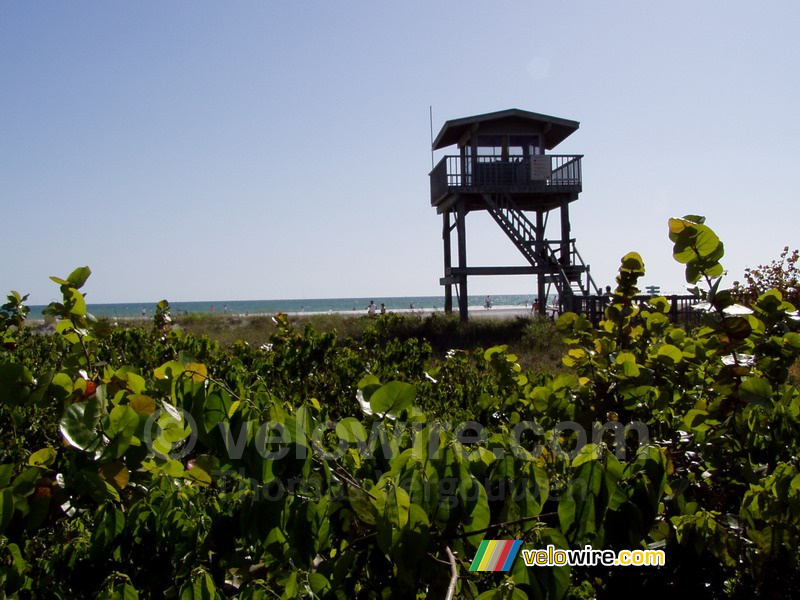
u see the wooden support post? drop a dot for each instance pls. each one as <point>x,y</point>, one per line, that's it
<point>540,284</point>
<point>461,226</point>
<point>448,262</point>
<point>565,233</point>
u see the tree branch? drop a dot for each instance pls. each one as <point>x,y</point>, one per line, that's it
<point>451,589</point>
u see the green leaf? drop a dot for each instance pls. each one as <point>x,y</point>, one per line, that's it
<point>706,241</point>
<point>120,591</point>
<point>116,474</point>
<point>362,506</point>
<point>695,219</point>
<point>79,276</point>
<point>632,263</point>
<point>77,303</point>
<point>200,587</point>
<point>291,588</point>
<point>142,405</point>
<point>695,418</point>
<point>215,409</point>
<point>496,594</point>
<point>169,370</point>
<point>792,340</point>
<point>135,382</point>
<point>26,481</point>
<point>5,474</point>
<point>737,328</point>
<point>42,458</point>
<point>566,510</point>
<point>588,453</point>
<point>79,423</point>
<point>319,584</point>
<point>628,363</point>
<point>756,390</point>
<point>368,380</point>
<point>392,398</point>
<point>671,353</point>
<point>397,506</point>
<point>351,430</point>
<point>123,422</point>
<point>172,430</point>
<point>109,523</point>
<point>198,475</point>
<point>6,509</point>
<point>661,304</point>
<point>63,382</point>
<point>494,350</point>
<point>477,514</point>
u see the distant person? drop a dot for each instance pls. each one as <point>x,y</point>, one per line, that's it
<point>487,303</point>
<point>212,310</point>
<point>144,312</point>
<point>225,309</point>
<point>371,308</point>
<point>608,291</point>
<point>383,308</point>
<point>535,307</point>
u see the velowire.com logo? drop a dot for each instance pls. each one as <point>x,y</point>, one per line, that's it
<point>499,555</point>
<point>495,555</point>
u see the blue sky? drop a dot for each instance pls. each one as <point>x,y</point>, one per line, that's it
<point>245,150</point>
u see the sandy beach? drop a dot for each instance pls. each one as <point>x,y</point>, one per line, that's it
<point>479,312</point>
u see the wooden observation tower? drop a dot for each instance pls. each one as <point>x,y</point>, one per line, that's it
<point>501,167</point>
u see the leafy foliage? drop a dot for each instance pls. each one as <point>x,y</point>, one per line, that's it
<point>149,463</point>
<point>782,275</point>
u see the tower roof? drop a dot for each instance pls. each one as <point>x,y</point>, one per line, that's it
<point>555,129</point>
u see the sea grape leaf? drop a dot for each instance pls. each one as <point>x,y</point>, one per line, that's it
<point>78,277</point>
<point>392,398</point>
<point>78,425</point>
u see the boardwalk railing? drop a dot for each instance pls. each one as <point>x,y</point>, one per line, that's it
<point>682,309</point>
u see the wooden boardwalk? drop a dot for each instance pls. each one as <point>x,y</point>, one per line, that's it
<point>682,307</point>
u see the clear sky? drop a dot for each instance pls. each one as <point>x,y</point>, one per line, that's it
<point>253,149</point>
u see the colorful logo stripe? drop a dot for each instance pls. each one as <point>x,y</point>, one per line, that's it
<point>495,555</point>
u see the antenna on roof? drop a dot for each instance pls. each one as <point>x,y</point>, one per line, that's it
<point>430,112</point>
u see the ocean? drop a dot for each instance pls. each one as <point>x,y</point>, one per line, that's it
<point>308,305</point>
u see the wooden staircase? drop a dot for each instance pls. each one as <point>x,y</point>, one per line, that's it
<point>569,273</point>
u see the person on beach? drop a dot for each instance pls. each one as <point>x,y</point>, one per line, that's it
<point>383,308</point>
<point>371,308</point>
<point>487,303</point>
<point>535,309</point>
<point>144,312</point>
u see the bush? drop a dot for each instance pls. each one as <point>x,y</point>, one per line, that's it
<point>782,275</point>
<point>150,462</point>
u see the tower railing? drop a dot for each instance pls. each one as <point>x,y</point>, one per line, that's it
<point>538,171</point>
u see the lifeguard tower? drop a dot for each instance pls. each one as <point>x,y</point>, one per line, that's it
<point>501,167</point>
